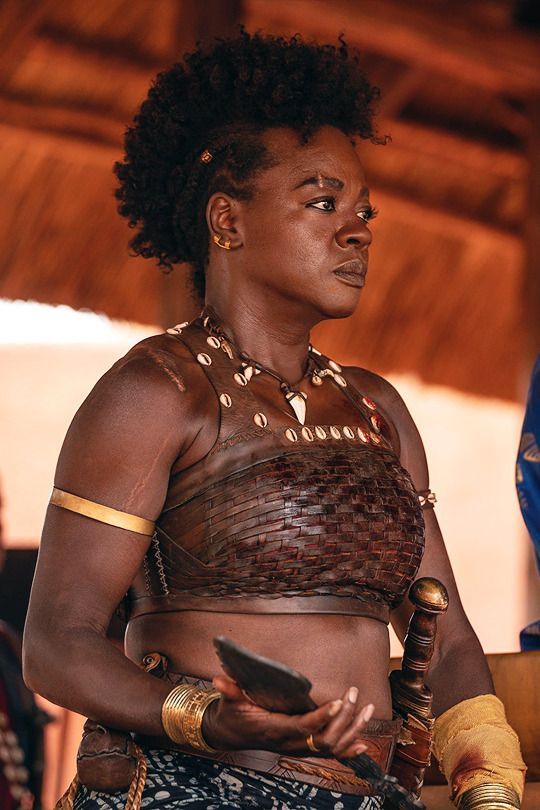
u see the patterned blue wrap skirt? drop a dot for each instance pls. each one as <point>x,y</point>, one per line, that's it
<point>175,780</point>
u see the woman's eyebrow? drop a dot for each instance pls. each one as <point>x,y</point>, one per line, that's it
<point>321,181</point>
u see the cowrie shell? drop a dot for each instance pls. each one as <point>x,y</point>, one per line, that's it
<point>333,365</point>
<point>240,379</point>
<point>320,432</point>
<point>340,380</point>
<point>291,435</point>
<point>307,434</point>
<point>348,432</point>
<point>225,400</point>
<point>260,419</point>
<point>213,341</point>
<point>363,435</point>
<point>204,359</point>
<point>335,432</point>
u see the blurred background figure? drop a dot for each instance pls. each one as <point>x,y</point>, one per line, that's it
<point>21,725</point>
<point>528,487</point>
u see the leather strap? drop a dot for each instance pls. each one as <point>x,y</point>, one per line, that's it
<point>322,603</point>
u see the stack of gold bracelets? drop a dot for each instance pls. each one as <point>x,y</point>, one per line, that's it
<point>182,715</point>
<point>489,796</point>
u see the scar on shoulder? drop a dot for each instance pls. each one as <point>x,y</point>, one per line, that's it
<point>161,360</point>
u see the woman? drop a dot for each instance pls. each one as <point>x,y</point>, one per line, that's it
<point>283,489</point>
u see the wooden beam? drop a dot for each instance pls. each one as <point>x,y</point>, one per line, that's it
<point>77,60</point>
<point>127,52</point>
<point>450,146</point>
<point>441,221</point>
<point>497,60</point>
<point>398,94</point>
<point>69,147</point>
<point>68,122</point>
<point>18,23</point>
<point>203,22</point>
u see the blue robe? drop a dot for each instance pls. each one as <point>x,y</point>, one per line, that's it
<point>528,487</point>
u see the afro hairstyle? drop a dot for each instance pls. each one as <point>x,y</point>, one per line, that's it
<point>221,98</point>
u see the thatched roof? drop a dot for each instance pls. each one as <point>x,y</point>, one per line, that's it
<point>445,293</point>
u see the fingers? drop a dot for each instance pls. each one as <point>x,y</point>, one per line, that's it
<point>340,735</point>
<point>349,744</point>
<point>313,721</point>
<point>228,688</point>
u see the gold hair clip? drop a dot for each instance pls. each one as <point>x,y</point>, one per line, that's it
<point>206,156</point>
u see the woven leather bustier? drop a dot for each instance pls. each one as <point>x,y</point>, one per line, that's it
<point>307,519</point>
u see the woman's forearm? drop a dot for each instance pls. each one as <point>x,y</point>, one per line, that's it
<point>83,671</point>
<point>458,673</point>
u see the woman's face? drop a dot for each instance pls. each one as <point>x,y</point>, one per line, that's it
<point>305,230</point>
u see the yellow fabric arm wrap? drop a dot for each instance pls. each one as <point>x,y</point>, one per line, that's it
<point>475,746</point>
<point>103,514</point>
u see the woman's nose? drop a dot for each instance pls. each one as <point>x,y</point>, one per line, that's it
<point>355,233</point>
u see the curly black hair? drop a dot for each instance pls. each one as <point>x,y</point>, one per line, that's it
<point>220,99</point>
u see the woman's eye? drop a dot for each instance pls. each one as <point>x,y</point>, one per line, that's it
<point>367,214</point>
<point>326,204</point>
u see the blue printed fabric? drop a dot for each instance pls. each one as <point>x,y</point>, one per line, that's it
<point>176,780</point>
<point>528,486</point>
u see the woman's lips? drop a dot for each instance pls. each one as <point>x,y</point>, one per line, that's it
<point>352,273</point>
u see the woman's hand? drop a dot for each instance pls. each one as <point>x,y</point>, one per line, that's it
<point>235,722</point>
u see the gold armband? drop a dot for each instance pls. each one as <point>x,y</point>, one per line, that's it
<point>479,754</point>
<point>103,514</point>
<point>182,715</point>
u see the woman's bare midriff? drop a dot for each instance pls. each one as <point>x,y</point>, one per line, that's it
<point>333,651</point>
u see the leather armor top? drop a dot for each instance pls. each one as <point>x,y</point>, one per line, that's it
<point>305,519</point>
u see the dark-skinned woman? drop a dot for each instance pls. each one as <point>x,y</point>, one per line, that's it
<point>239,483</point>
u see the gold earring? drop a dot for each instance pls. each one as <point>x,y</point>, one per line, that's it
<point>226,245</point>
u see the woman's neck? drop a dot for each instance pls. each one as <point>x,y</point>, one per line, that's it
<point>265,335</point>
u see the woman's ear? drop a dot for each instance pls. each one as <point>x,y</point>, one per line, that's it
<point>224,220</point>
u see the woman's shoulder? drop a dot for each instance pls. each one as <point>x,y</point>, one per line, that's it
<point>161,366</point>
<point>377,388</point>
<point>405,437</point>
<point>155,385</point>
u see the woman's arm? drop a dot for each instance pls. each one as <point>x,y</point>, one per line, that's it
<point>459,668</point>
<point>118,452</point>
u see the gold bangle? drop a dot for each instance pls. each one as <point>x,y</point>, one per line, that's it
<point>489,796</point>
<point>172,710</point>
<point>192,719</point>
<point>182,715</point>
